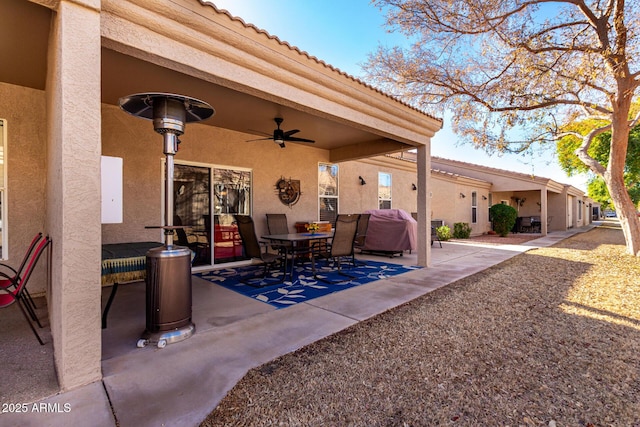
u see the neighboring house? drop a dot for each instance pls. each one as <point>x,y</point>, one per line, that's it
<point>464,192</point>
<point>560,206</point>
<point>66,64</point>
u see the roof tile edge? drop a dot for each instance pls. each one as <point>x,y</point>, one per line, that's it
<point>313,58</point>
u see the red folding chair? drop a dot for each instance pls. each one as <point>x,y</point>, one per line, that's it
<point>15,273</point>
<point>17,290</point>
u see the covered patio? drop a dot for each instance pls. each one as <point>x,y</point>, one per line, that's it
<point>69,63</point>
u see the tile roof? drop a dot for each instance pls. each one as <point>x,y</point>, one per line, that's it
<point>311,57</point>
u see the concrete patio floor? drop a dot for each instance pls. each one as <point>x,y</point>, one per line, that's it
<point>182,383</point>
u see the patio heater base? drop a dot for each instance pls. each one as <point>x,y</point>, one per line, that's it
<point>168,296</point>
<point>161,339</point>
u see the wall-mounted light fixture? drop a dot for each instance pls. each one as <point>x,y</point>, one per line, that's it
<point>484,197</point>
<point>462,196</point>
<point>413,187</point>
<point>362,181</point>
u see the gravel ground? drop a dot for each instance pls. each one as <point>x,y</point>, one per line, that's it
<point>548,338</point>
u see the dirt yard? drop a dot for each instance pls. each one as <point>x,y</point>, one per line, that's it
<point>548,338</point>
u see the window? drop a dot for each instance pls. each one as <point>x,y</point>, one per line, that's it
<point>231,195</point>
<point>3,191</point>
<point>328,192</point>
<point>232,191</point>
<point>384,190</point>
<point>202,191</point>
<point>474,207</point>
<point>192,208</point>
<point>489,205</point>
<point>579,209</point>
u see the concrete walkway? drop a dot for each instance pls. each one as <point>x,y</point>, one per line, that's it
<point>180,384</point>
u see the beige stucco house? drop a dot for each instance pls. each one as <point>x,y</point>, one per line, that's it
<point>559,206</point>
<point>464,192</point>
<point>66,64</point>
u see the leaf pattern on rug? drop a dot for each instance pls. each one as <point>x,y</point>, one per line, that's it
<point>280,294</point>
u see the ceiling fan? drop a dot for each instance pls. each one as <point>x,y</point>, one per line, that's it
<point>280,136</point>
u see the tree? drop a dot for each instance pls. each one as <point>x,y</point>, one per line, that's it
<point>599,150</point>
<point>516,72</point>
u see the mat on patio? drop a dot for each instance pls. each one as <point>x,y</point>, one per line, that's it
<point>304,288</point>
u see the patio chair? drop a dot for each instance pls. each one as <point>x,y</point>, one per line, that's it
<point>277,224</point>
<point>341,245</point>
<point>15,273</point>
<point>198,248</point>
<point>434,236</point>
<point>254,248</point>
<point>361,235</point>
<point>19,283</point>
<point>525,225</point>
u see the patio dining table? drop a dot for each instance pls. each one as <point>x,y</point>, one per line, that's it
<point>298,244</point>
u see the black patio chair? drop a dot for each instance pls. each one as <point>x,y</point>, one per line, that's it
<point>255,249</point>
<point>526,225</point>
<point>19,284</point>
<point>277,224</point>
<point>434,236</point>
<point>198,248</point>
<point>361,235</point>
<point>341,246</point>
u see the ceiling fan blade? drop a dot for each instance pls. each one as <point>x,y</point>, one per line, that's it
<point>260,139</point>
<point>291,132</point>
<point>259,132</point>
<point>294,139</point>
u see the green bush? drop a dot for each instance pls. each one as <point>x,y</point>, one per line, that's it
<point>443,232</point>
<point>503,218</point>
<point>461,230</point>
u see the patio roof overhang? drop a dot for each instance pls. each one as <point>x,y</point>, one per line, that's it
<point>247,75</point>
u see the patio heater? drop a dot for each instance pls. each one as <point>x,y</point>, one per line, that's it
<point>168,281</point>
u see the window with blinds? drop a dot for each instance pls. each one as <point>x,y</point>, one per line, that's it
<point>384,190</point>
<point>474,207</point>
<point>328,192</point>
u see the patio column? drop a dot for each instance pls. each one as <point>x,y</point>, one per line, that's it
<point>544,212</point>
<point>73,190</point>
<point>424,205</point>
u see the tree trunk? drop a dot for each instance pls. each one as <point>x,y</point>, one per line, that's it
<point>629,220</point>
<point>614,175</point>
<point>614,178</point>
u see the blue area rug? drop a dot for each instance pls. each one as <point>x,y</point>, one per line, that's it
<point>304,287</point>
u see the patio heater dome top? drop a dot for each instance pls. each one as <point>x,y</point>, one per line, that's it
<point>169,112</point>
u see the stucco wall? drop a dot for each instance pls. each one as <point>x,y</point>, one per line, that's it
<point>447,203</point>
<point>529,203</point>
<point>23,110</point>
<point>443,204</point>
<point>140,146</point>
<point>135,141</point>
<point>356,198</point>
<point>557,218</point>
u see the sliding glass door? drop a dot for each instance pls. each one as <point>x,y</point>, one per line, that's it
<point>232,196</point>
<point>203,191</point>
<point>192,186</point>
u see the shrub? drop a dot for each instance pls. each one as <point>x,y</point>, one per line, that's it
<point>461,230</point>
<point>503,218</point>
<point>443,232</point>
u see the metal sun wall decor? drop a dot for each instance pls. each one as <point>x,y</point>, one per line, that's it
<point>288,191</point>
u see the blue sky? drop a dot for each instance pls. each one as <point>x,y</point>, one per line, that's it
<point>342,33</point>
